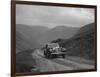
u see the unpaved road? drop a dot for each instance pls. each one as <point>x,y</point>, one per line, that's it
<point>57,64</point>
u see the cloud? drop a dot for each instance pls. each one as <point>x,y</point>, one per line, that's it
<point>52,16</point>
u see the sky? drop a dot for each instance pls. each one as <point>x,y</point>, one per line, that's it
<point>52,16</point>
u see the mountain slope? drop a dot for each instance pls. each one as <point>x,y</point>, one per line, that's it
<point>58,32</point>
<point>22,43</point>
<point>44,34</point>
<point>31,32</point>
<point>81,44</point>
<point>88,29</point>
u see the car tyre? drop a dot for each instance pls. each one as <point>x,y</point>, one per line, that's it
<point>63,56</point>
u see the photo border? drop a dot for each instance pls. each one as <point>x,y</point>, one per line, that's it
<point>13,36</point>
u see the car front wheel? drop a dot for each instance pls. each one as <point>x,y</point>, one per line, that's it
<point>63,56</point>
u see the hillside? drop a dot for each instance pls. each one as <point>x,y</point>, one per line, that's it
<point>88,29</point>
<point>31,32</point>
<point>81,44</point>
<point>44,34</point>
<point>22,43</point>
<point>58,32</point>
<point>24,48</point>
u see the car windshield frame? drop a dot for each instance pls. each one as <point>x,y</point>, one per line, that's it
<point>53,45</point>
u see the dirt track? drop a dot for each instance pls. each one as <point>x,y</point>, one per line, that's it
<point>57,64</point>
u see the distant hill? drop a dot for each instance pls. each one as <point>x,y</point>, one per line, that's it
<point>58,32</point>
<point>31,32</point>
<point>82,43</point>
<point>44,34</point>
<point>22,43</point>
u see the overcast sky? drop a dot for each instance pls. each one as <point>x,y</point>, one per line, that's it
<point>52,16</point>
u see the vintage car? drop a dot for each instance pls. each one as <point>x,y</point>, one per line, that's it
<point>52,50</point>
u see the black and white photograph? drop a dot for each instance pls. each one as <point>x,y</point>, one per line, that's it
<point>54,38</point>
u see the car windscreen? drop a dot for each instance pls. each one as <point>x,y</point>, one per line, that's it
<point>53,45</point>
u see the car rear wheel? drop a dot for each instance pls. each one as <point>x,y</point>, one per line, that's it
<point>48,55</point>
<point>63,55</point>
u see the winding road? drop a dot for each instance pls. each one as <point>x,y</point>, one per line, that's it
<point>57,64</point>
